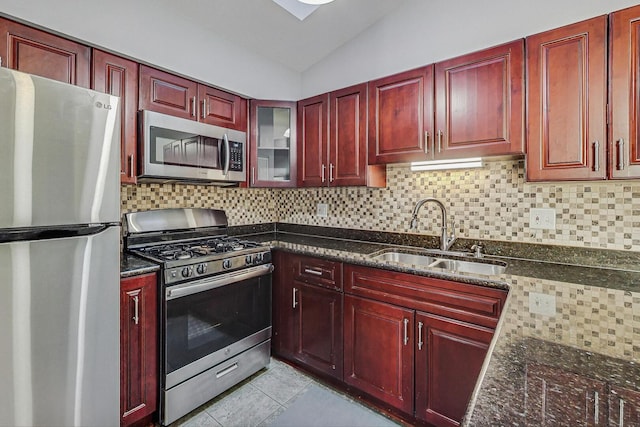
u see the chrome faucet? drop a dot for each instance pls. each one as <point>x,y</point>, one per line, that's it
<point>446,239</point>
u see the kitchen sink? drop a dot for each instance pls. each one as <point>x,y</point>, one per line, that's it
<point>431,261</point>
<point>405,258</point>
<point>455,265</point>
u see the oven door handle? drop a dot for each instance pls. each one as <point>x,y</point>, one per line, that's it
<point>191,288</point>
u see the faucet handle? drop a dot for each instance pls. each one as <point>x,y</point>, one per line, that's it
<point>478,250</point>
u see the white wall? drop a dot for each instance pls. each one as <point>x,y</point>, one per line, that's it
<point>417,33</point>
<point>153,31</point>
<point>424,31</point>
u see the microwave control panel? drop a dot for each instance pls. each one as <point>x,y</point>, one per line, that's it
<point>236,158</point>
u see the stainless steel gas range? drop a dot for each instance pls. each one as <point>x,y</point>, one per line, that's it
<point>215,303</point>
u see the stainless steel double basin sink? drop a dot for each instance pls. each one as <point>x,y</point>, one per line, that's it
<point>429,260</point>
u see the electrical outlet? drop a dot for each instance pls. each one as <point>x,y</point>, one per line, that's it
<point>544,219</point>
<point>322,210</point>
<point>542,304</point>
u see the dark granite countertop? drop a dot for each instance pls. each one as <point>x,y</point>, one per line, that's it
<point>591,334</point>
<point>131,265</point>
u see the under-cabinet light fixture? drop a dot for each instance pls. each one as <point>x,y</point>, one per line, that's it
<point>315,2</point>
<point>433,165</point>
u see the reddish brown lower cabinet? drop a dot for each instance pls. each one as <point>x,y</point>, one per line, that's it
<point>559,398</point>
<point>138,348</point>
<point>318,328</point>
<point>307,324</point>
<point>449,357</point>
<point>624,407</point>
<point>403,330</point>
<point>378,351</point>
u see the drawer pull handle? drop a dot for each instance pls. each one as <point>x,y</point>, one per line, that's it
<point>426,142</point>
<point>621,154</point>
<point>323,168</point>
<point>136,317</point>
<point>131,164</point>
<point>596,156</point>
<point>295,300</point>
<point>227,370</point>
<point>406,331</point>
<point>420,342</point>
<point>596,414</point>
<point>314,272</point>
<point>193,107</point>
<point>621,413</point>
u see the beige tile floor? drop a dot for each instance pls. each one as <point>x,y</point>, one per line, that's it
<point>262,398</point>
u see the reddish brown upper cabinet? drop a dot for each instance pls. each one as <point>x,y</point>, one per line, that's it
<point>567,100</point>
<point>333,140</point>
<point>170,94</point>
<point>118,76</point>
<point>479,103</point>
<point>272,129</point>
<point>624,93</point>
<point>401,117</point>
<point>33,51</point>
<point>138,348</point>
<point>313,137</point>
<point>222,108</point>
<point>166,93</point>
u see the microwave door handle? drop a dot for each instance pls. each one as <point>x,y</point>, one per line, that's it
<point>227,155</point>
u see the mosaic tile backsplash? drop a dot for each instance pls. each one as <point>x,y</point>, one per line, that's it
<point>488,203</point>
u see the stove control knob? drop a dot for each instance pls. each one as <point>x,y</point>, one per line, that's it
<point>226,264</point>
<point>248,260</point>
<point>201,268</point>
<point>257,258</point>
<point>187,272</point>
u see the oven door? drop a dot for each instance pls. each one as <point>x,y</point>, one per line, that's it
<point>210,320</point>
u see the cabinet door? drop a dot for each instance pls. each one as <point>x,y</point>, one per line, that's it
<point>567,71</point>
<point>480,103</point>
<point>165,93</point>
<point>118,76</point>
<point>449,356</point>
<point>33,51</point>
<point>138,348</point>
<point>555,397</point>
<point>282,311</point>
<point>312,141</point>
<point>624,92</point>
<point>348,136</point>
<point>222,108</point>
<point>624,407</point>
<point>378,350</point>
<point>401,117</point>
<point>318,329</point>
<point>272,132</point>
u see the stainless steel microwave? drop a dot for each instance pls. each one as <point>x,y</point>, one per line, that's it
<point>177,149</point>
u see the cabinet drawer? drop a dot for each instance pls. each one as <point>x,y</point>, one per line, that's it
<point>470,303</point>
<point>318,271</point>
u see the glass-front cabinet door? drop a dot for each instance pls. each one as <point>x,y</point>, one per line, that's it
<point>273,144</point>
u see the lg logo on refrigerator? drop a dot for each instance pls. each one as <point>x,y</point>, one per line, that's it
<point>101,105</point>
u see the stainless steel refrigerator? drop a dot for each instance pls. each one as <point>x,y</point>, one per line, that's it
<point>59,253</point>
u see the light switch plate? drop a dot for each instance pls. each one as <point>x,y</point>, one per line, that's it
<point>322,210</point>
<point>542,218</point>
<point>542,304</point>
